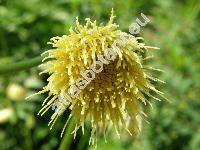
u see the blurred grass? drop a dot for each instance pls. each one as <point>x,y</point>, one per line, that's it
<point>26,27</point>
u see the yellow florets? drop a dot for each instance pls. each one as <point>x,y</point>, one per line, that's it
<point>104,97</point>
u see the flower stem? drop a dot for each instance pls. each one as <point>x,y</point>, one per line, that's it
<point>65,144</point>
<point>19,66</point>
<point>84,139</point>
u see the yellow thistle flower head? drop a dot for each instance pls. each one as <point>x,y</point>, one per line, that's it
<point>97,72</point>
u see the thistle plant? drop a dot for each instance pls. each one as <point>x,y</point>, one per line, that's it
<point>114,96</point>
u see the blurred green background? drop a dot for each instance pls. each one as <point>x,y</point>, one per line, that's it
<point>27,25</point>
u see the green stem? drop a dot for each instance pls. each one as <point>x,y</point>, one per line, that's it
<point>84,139</point>
<point>19,66</point>
<point>65,144</point>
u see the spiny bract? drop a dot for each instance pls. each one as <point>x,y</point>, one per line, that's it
<point>110,97</point>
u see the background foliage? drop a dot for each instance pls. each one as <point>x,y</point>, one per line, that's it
<point>27,25</point>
